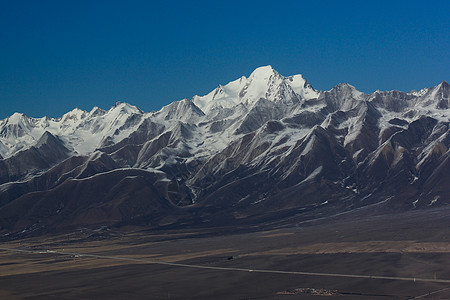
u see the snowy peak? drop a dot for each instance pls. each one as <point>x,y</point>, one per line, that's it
<point>96,111</point>
<point>267,83</point>
<point>221,97</point>
<point>264,82</point>
<point>346,90</point>
<point>240,106</point>
<point>264,73</point>
<point>183,110</point>
<point>74,116</point>
<point>437,97</point>
<point>124,108</point>
<point>16,125</point>
<point>17,118</point>
<point>80,130</point>
<point>277,88</point>
<point>344,97</point>
<point>443,94</point>
<point>302,87</point>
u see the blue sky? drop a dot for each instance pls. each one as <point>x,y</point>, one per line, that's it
<point>57,55</point>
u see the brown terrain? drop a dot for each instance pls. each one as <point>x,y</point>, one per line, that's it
<point>411,249</point>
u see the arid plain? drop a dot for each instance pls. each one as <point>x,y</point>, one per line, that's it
<point>341,257</point>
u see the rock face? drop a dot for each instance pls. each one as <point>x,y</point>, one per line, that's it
<point>259,149</point>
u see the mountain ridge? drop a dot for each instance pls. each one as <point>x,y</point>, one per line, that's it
<point>266,146</point>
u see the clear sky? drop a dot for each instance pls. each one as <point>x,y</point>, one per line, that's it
<point>58,55</point>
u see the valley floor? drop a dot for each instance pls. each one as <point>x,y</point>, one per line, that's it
<point>411,249</point>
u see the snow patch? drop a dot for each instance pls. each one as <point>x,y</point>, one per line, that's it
<point>434,200</point>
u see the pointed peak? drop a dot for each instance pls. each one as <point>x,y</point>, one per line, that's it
<point>125,108</point>
<point>345,85</point>
<point>16,117</point>
<point>264,71</point>
<point>18,114</point>
<point>47,139</point>
<point>344,91</point>
<point>185,102</point>
<point>97,111</point>
<point>76,109</point>
<point>75,114</point>
<point>189,104</point>
<point>183,110</point>
<point>45,136</point>
<point>444,84</point>
<point>120,104</point>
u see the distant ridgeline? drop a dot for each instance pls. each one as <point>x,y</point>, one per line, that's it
<point>258,149</point>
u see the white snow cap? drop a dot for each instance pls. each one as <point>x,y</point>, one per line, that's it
<point>264,82</point>
<point>264,72</point>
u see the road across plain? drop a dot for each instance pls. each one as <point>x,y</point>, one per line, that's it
<point>174,264</point>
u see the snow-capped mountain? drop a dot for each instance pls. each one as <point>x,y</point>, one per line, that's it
<point>261,148</point>
<point>265,83</point>
<point>80,131</point>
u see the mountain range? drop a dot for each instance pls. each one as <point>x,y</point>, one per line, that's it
<point>266,149</point>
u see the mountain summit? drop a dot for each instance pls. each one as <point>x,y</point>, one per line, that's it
<point>266,148</point>
<point>265,83</point>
